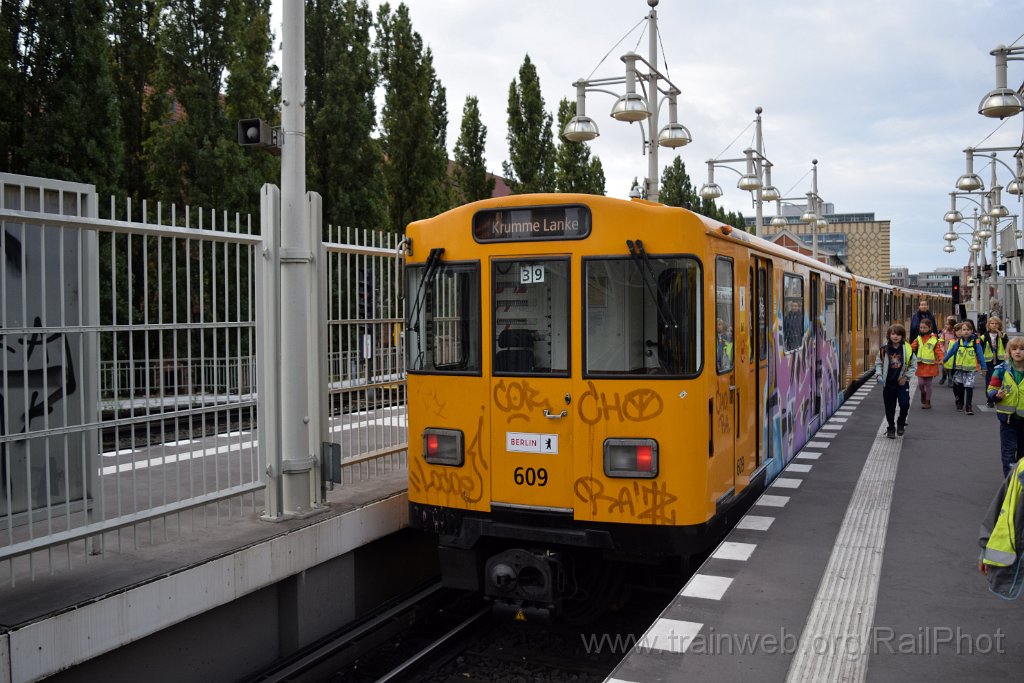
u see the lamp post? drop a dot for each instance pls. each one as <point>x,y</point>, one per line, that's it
<point>814,215</point>
<point>975,245</point>
<point>757,178</point>
<point>1002,101</point>
<point>632,106</point>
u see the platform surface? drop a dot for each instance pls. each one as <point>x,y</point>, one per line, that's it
<point>858,563</point>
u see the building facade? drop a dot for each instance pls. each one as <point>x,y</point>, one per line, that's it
<point>860,240</point>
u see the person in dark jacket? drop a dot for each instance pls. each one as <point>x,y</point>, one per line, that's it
<point>1000,538</point>
<point>922,312</point>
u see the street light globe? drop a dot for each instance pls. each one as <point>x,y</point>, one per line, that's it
<point>770,193</point>
<point>821,223</point>
<point>580,129</point>
<point>985,219</point>
<point>630,107</point>
<point>953,216</point>
<point>1000,103</point>
<point>975,246</point>
<point>949,236</point>
<point>999,211</point>
<point>749,182</point>
<point>1015,186</point>
<point>984,232</point>
<point>710,191</point>
<point>808,216</point>
<point>780,222</point>
<point>674,135</point>
<point>969,182</point>
<point>949,249</point>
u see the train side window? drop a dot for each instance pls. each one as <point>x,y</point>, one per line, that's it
<point>443,330</point>
<point>793,303</point>
<point>724,332</point>
<point>830,311</point>
<point>642,318</point>
<point>530,304</point>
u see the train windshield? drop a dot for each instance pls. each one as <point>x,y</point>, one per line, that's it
<point>443,330</point>
<point>642,317</point>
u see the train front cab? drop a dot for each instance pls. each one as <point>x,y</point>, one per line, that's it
<point>601,394</point>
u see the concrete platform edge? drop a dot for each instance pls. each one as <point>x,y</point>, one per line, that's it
<point>57,642</point>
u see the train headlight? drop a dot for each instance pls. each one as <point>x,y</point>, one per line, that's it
<point>637,458</point>
<point>443,447</point>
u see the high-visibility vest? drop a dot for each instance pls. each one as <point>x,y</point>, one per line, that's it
<point>1013,402</point>
<point>949,363</point>
<point>966,356</point>
<point>883,352</point>
<point>926,350</point>
<point>1000,351</point>
<point>1001,549</point>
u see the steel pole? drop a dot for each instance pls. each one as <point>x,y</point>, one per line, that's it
<point>298,418</point>
<point>652,104</point>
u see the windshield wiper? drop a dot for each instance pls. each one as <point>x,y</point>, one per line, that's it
<point>430,271</point>
<point>639,255</point>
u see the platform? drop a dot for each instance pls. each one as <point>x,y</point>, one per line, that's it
<point>858,563</point>
<point>101,604</point>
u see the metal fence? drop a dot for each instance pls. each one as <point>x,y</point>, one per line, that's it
<point>366,364</point>
<point>99,432</point>
<point>129,369</point>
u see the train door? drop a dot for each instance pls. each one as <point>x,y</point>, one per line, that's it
<point>531,427</point>
<point>724,405</point>
<point>815,340</point>
<point>761,311</point>
<point>745,394</point>
<point>843,342</point>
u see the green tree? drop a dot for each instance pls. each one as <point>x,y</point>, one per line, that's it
<point>531,149</point>
<point>192,155</point>
<point>132,28</point>
<point>472,182</point>
<point>575,170</point>
<point>676,188</point>
<point>416,162</point>
<point>343,161</point>
<point>12,81</point>
<point>70,129</point>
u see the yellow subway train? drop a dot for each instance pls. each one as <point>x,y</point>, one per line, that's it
<point>596,384</point>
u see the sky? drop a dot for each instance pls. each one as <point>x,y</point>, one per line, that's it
<point>884,93</point>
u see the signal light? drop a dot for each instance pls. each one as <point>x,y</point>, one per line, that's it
<point>636,458</point>
<point>257,133</point>
<point>443,447</point>
<point>955,288</point>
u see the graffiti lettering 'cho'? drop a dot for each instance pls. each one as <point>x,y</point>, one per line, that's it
<point>638,405</point>
<point>517,397</point>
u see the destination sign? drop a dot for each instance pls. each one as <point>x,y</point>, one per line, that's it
<point>531,223</point>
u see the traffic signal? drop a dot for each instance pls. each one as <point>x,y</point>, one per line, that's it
<point>255,133</point>
<point>955,289</point>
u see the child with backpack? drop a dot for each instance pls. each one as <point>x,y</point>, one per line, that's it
<point>894,365</point>
<point>1007,388</point>
<point>968,358</point>
<point>948,336</point>
<point>928,349</point>
<point>994,344</point>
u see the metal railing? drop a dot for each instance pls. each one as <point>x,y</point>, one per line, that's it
<point>129,369</point>
<point>96,437</point>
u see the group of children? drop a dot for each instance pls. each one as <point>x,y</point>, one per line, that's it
<point>958,354</point>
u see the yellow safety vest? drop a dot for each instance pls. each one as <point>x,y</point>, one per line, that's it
<point>1013,402</point>
<point>1000,353</point>
<point>1001,549</point>
<point>966,356</point>
<point>926,350</point>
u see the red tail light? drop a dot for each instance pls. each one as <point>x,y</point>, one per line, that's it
<point>443,447</point>
<point>631,458</point>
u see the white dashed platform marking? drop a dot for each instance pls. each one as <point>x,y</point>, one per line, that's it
<point>755,523</point>
<point>784,483</point>
<point>734,551</point>
<point>669,635</point>
<point>817,444</point>
<point>809,455</point>
<point>707,587</point>
<point>831,427</point>
<point>797,467</point>
<point>772,501</point>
